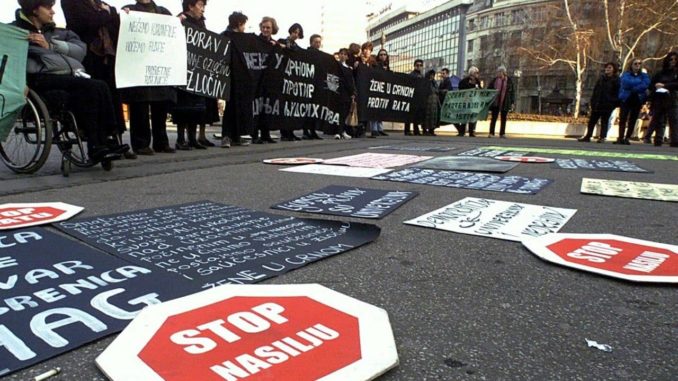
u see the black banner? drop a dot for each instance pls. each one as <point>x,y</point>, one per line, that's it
<point>599,165</point>
<point>58,294</point>
<point>467,180</point>
<point>390,97</point>
<point>209,63</point>
<point>467,163</point>
<point>301,85</point>
<point>211,244</point>
<point>345,201</point>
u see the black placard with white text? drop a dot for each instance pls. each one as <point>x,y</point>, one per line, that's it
<point>390,97</point>
<point>467,180</point>
<point>58,294</point>
<point>209,63</point>
<point>599,165</point>
<point>210,244</point>
<point>346,201</point>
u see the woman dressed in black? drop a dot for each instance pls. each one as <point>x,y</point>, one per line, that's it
<point>604,100</point>
<point>97,24</point>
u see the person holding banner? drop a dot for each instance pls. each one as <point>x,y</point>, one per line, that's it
<point>432,116</point>
<point>382,62</point>
<point>503,102</point>
<point>295,32</point>
<point>471,81</point>
<point>417,73</point>
<point>230,129</point>
<point>54,63</point>
<point>348,93</point>
<point>97,25</point>
<point>268,27</point>
<point>144,99</point>
<point>190,109</point>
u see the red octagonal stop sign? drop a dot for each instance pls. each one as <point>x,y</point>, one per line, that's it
<point>254,332</point>
<point>611,255</point>
<point>15,216</point>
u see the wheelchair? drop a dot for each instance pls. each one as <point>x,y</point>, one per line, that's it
<point>43,121</point>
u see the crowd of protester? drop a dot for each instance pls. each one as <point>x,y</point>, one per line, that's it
<point>81,59</point>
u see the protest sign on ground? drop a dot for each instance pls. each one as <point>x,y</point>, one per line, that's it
<point>467,163</point>
<point>337,170</point>
<point>599,165</point>
<point>496,219</point>
<point>630,189</point>
<point>376,160</point>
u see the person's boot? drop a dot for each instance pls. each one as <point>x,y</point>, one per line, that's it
<point>191,138</point>
<point>202,139</point>
<point>181,144</point>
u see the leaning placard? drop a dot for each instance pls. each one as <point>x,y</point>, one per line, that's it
<point>630,189</point>
<point>211,244</point>
<point>301,332</point>
<point>611,255</point>
<point>15,216</point>
<point>510,221</point>
<point>151,51</point>
<point>58,294</point>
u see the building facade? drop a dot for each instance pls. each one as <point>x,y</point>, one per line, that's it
<point>431,31</point>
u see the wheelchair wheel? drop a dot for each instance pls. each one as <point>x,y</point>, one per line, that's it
<point>27,147</point>
<point>69,141</point>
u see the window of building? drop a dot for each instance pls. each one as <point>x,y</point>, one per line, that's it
<point>470,46</point>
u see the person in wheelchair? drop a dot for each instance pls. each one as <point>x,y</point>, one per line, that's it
<point>54,64</point>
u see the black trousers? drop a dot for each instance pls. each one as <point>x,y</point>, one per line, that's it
<point>104,69</point>
<point>493,121</point>
<point>628,115</point>
<point>88,99</point>
<point>140,128</point>
<point>416,127</point>
<point>604,117</point>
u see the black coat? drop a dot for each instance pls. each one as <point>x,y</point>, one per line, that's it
<point>86,19</point>
<point>466,84</point>
<point>148,93</point>
<point>190,108</point>
<point>670,80</point>
<point>605,96</point>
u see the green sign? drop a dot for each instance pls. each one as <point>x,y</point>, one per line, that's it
<point>13,54</point>
<point>467,106</point>
<point>630,189</point>
<point>577,152</point>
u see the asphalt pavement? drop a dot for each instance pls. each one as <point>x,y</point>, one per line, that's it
<point>462,307</point>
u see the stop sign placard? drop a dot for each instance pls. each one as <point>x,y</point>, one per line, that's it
<point>254,332</point>
<point>526,159</point>
<point>611,255</point>
<point>15,216</point>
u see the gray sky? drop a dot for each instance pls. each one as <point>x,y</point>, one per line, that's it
<point>305,12</point>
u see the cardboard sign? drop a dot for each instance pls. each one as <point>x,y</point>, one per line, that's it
<point>485,152</point>
<point>526,159</point>
<point>576,152</point>
<point>376,160</point>
<point>416,147</point>
<point>466,106</point>
<point>630,189</point>
<point>211,244</point>
<point>208,63</point>
<point>467,180</point>
<point>293,161</point>
<point>13,53</point>
<point>302,332</point>
<point>349,202</point>
<point>611,255</point>
<point>58,294</point>
<point>496,219</point>
<point>464,163</point>
<point>337,170</point>
<point>15,216</point>
<point>599,165</point>
<point>151,51</point>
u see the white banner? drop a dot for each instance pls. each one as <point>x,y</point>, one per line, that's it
<point>337,170</point>
<point>630,189</point>
<point>497,219</point>
<point>151,51</point>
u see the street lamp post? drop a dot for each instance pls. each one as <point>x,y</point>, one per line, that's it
<point>517,74</point>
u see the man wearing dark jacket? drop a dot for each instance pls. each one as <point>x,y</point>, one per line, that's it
<point>54,63</point>
<point>472,81</point>
<point>664,99</point>
<point>503,102</point>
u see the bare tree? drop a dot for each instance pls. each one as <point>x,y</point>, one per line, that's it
<point>566,39</point>
<point>630,24</point>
